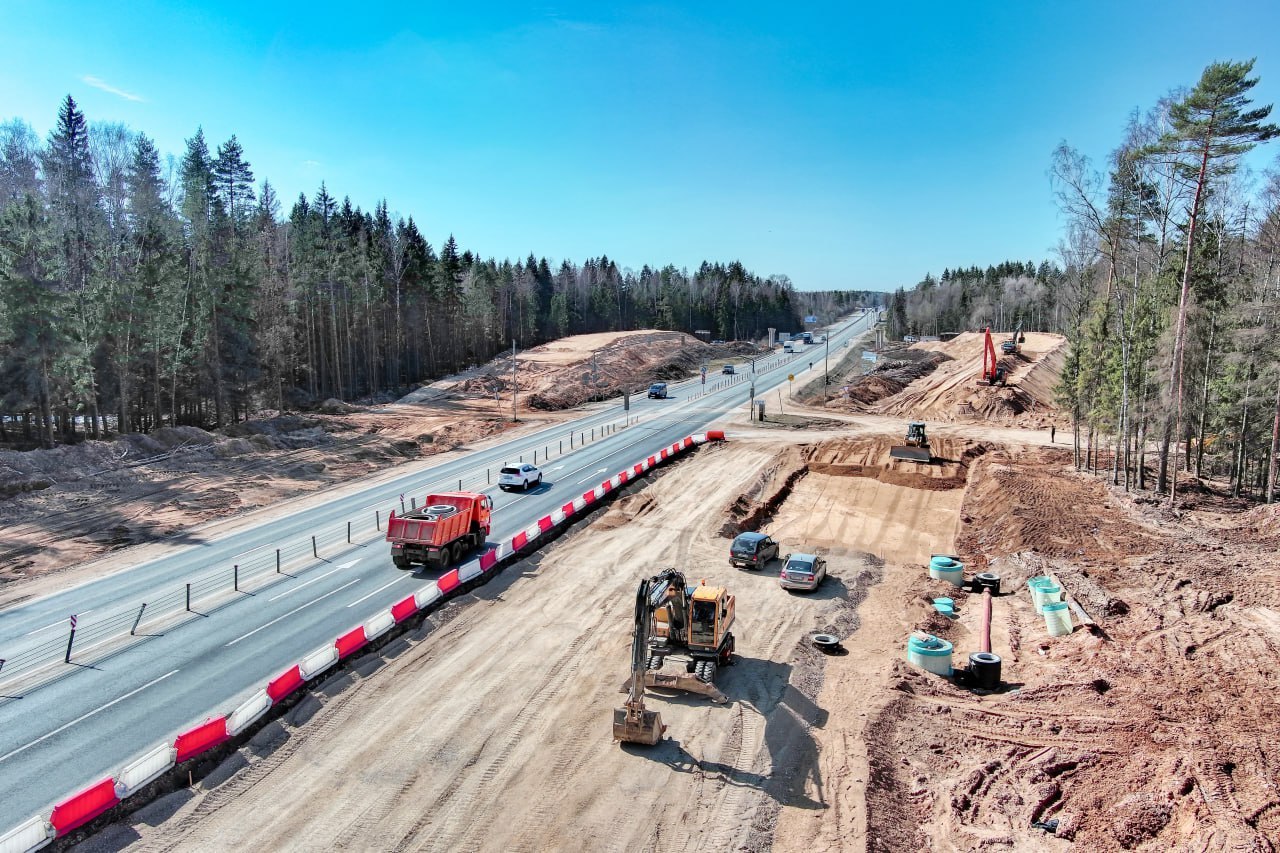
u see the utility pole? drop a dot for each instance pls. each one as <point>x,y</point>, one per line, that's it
<point>514,419</point>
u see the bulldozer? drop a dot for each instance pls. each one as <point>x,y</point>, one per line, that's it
<point>672,619</point>
<point>915,447</point>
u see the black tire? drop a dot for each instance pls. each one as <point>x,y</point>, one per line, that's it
<point>401,561</point>
<point>708,674</point>
<point>654,662</point>
<point>526,486</point>
<point>539,483</point>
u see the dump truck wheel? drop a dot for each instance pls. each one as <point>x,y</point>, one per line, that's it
<point>401,562</point>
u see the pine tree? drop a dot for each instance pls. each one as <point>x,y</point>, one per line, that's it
<point>1211,127</point>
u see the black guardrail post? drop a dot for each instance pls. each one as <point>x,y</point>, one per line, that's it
<point>138,621</point>
<point>235,577</point>
<point>71,639</point>
<point>188,598</point>
<point>277,561</point>
<point>314,552</point>
<point>348,533</point>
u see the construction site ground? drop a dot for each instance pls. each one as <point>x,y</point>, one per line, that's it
<point>488,728</point>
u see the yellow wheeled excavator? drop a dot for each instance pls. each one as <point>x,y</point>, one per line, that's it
<point>673,619</point>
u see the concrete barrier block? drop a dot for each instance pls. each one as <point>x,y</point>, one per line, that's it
<point>430,593</point>
<point>378,625</point>
<point>470,571</point>
<point>318,661</point>
<point>557,518</point>
<point>31,834</point>
<point>248,712</point>
<point>137,773</point>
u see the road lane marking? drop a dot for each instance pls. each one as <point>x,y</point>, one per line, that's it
<point>350,564</point>
<point>592,476</point>
<point>85,716</point>
<point>308,583</point>
<point>291,612</point>
<point>62,621</point>
<point>378,590</point>
<point>251,550</point>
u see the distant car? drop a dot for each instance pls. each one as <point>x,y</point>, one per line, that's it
<point>658,391</point>
<point>519,475</point>
<point>752,550</point>
<point>787,347</point>
<point>717,342</point>
<point>910,339</point>
<point>727,370</point>
<point>1008,347</point>
<point>802,571</point>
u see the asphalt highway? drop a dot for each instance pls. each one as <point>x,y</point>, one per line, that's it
<point>63,726</point>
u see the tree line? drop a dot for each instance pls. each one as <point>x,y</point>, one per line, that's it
<point>968,298</point>
<point>138,291</point>
<point>1167,288</point>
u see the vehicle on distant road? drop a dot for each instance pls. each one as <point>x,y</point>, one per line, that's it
<point>803,572</point>
<point>520,475</point>
<point>787,347</point>
<point>752,550</point>
<point>437,534</point>
<point>910,339</point>
<point>658,391</point>
<point>727,370</point>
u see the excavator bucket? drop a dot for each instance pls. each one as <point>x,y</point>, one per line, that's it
<point>911,454</point>
<point>636,725</point>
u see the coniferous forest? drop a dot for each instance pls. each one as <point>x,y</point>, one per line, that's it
<point>138,290</point>
<point>1167,287</point>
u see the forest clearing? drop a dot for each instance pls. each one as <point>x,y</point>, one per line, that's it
<point>858,751</point>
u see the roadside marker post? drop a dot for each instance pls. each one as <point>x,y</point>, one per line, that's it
<point>138,621</point>
<point>188,599</point>
<point>314,551</point>
<point>235,575</point>
<point>71,639</point>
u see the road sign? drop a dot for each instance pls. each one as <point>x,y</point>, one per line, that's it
<point>73,621</point>
<point>791,377</point>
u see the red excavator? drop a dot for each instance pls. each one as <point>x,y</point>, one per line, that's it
<point>993,372</point>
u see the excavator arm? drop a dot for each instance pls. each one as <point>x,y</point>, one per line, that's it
<point>632,723</point>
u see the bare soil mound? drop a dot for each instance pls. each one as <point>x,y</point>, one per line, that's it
<point>953,391</point>
<point>887,378</point>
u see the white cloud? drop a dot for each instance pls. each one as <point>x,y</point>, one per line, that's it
<point>107,87</point>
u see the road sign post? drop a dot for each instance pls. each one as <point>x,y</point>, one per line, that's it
<point>791,377</point>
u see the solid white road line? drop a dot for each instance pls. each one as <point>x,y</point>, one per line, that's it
<point>378,590</point>
<point>85,716</point>
<point>291,612</point>
<point>308,583</point>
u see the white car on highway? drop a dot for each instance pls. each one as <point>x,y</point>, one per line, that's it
<point>519,475</point>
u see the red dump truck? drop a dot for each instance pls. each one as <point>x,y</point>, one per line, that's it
<point>440,532</point>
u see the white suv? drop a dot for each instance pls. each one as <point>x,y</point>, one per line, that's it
<point>520,475</point>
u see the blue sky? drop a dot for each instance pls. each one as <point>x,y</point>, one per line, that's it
<point>842,147</point>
